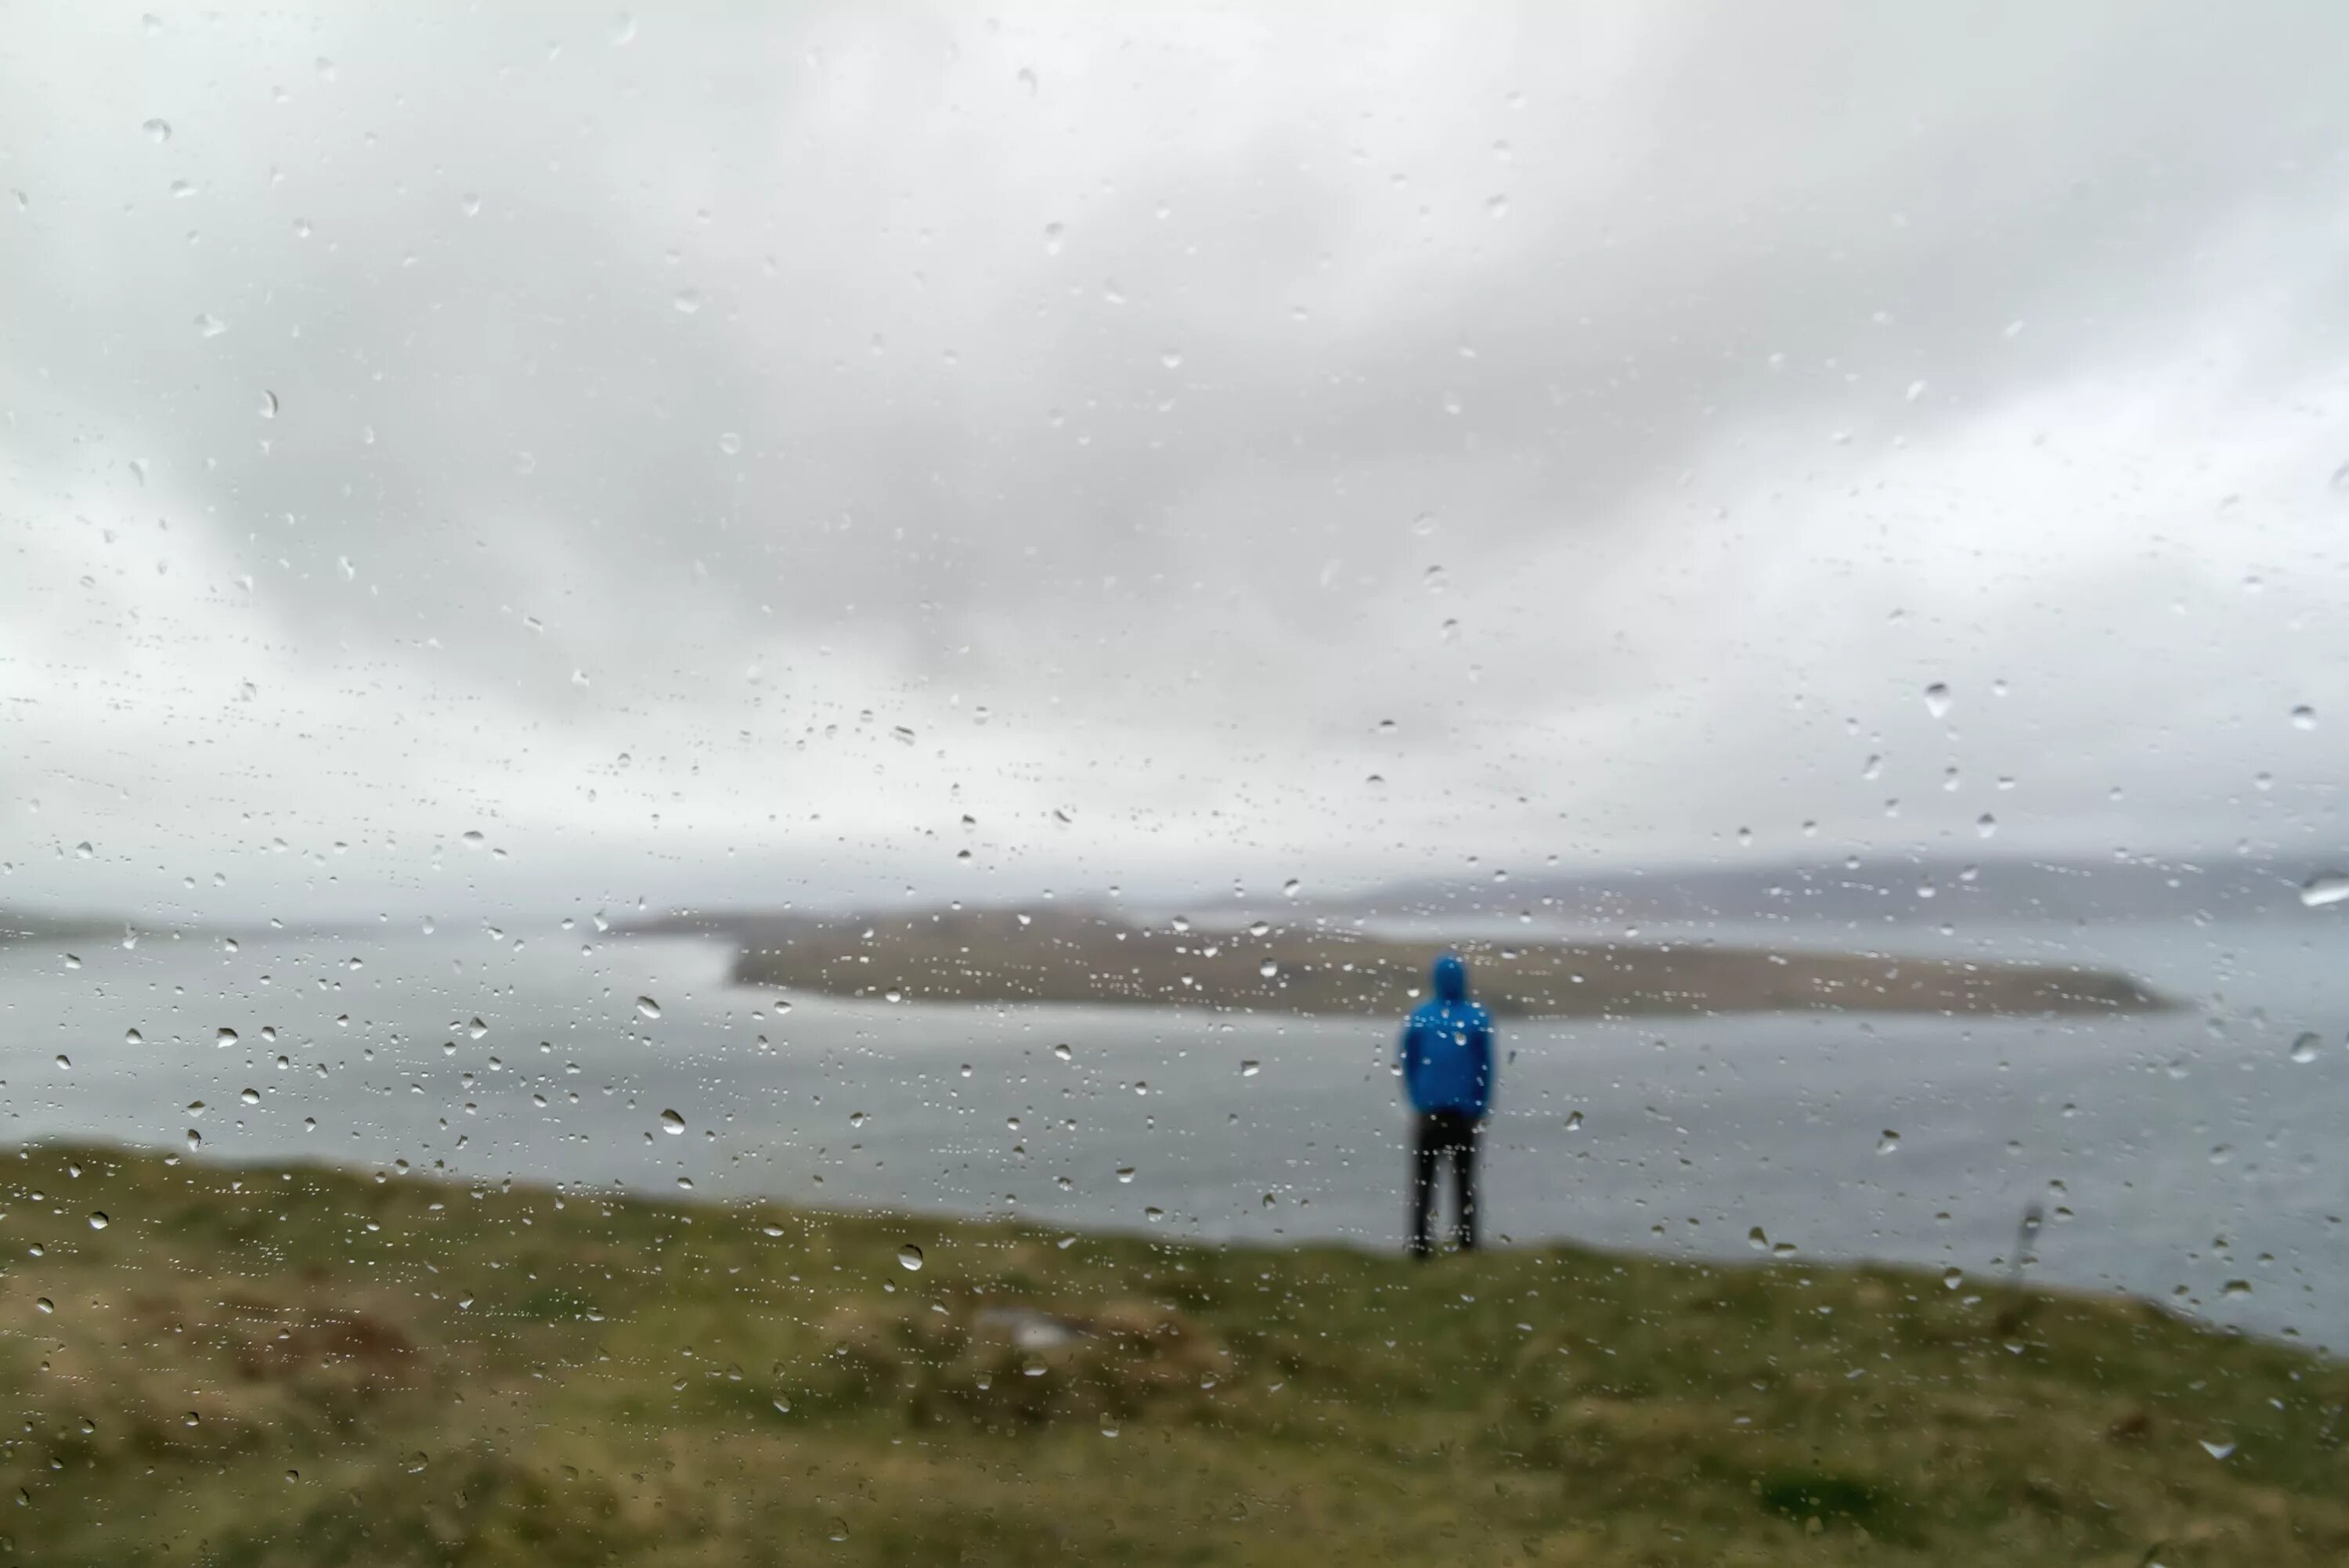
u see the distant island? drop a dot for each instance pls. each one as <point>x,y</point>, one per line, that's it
<point>1004,956</point>
<point>41,925</point>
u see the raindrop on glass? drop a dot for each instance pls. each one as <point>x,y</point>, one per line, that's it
<point>2323,888</point>
<point>909,1257</point>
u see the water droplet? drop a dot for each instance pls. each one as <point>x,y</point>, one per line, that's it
<point>210,326</point>
<point>2323,888</point>
<point>195,1140</point>
<point>1053,233</point>
<point>647,1006</point>
<point>2236,1289</point>
<point>1125,1173</point>
<point>624,29</point>
<point>1888,1142</point>
<point>472,839</point>
<point>2305,1048</point>
<point>83,850</point>
<point>839,1530</point>
<point>2216,1451</point>
<point>1496,206</point>
<point>672,1123</point>
<point>1267,969</point>
<point>1952,1278</point>
<point>224,1037</point>
<point>133,1037</point>
<point>1574,1121</point>
<point>1250,1069</point>
<point>1937,700</point>
<point>909,1258</point>
<point>687,300</point>
<point>46,1304</point>
<point>1291,887</point>
<point>730,443</point>
<point>157,131</point>
<point>64,1062</point>
<point>1985,824</point>
<point>2341,478</point>
<point>470,204</point>
<point>1063,1051</point>
<point>1757,1239</point>
<point>250,1096</point>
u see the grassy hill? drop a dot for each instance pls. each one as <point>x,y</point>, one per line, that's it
<point>278,1366</point>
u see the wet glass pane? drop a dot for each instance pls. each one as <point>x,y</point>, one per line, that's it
<point>884,785</point>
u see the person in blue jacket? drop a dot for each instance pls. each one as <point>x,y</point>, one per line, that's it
<point>1446,1057</point>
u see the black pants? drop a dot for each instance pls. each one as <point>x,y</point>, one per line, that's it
<point>1441,1133</point>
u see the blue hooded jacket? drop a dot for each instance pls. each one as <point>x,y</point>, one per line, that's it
<point>1447,1047</point>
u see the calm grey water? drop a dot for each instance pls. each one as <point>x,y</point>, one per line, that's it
<point>2188,1150</point>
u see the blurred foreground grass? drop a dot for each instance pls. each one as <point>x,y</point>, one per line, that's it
<point>280,1365</point>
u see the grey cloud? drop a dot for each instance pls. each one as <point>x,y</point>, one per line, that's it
<point>1541,335</point>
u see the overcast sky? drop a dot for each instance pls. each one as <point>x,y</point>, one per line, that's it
<point>710,455</point>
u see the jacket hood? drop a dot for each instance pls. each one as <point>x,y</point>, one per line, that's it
<point>1450,976</point>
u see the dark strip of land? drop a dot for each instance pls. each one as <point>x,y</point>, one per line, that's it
<point>1003,956</point>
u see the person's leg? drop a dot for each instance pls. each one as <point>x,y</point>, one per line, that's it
<point>1423,1183</point>
<point>1464,1164</point>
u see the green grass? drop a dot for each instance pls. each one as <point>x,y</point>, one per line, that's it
<point>280,1365</point>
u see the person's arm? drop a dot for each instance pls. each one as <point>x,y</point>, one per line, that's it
<point>1482,1044</point>
<point>1407,1054</point>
